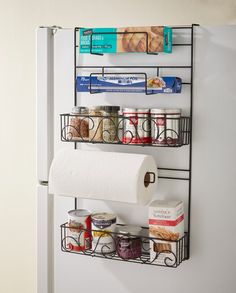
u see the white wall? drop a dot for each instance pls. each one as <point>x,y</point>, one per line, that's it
<point>18,20</point>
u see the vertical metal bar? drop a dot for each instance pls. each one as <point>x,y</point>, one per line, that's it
<point>75,92</point>
<point>75,89</point>
<point>190,144</point>
<point>76,203</point>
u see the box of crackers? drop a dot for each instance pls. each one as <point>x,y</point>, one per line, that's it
<point>151,39</point>
<point>166,222</point>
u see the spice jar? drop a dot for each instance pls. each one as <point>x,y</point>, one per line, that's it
<point>110,123</point>
<point>158,127</point>
<point>129,244</point>
<point>173,126</point>
<point>136,126</point>
<point>95,123</point>
<point>79,125</point>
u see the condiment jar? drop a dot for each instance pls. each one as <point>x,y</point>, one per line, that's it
<point>173,126</point>
<point>129,243</point>
<point>158,126</point>
<point>79,125</point>
<point>95,123</point>
<point>110,123</point>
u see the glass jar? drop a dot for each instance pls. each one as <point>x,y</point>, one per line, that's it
<point>110,123</point>
<point>129,244</point>
<point>95,123</point>
<point>79,125</point>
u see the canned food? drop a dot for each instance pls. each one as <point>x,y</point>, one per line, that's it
<point>103,224</point>
<point>136,126</point>
<point>158,125</point>
<point>129,245</point>
<point>79,231</point>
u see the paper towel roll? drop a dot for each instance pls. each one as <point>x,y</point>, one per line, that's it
<point>102,175</point>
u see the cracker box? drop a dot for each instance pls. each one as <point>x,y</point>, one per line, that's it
<point>151,39</point>
<point>166,221</point>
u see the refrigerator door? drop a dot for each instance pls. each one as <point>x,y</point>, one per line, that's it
<point>45,240</point>
<point>45,83</point>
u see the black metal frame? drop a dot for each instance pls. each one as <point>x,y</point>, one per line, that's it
<point>188,171</point>
<point>164,257</point>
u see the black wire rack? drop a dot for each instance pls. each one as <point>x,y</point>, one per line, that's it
<point>133,130</point>
<point>70,132</point>
<point>129,248</point>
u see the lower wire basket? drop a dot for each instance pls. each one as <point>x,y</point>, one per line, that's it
<point>141,248</point>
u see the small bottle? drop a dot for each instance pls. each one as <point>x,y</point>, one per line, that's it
<point>173,126</point>
<point>79,126</point>
<point>95,123</point>
<point>158,126</point>
<point>110,123</point>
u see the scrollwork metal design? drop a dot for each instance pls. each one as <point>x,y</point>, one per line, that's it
<point>98,248</point>
<point>125,130</point>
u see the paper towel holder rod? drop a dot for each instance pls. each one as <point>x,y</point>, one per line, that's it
<point>149,178</point>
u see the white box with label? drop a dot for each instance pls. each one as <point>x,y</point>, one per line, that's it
<point>166,221</point>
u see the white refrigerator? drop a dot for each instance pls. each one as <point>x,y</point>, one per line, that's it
<point>210,266</point>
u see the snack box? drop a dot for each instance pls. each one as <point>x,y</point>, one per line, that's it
<point>126,39</point>
<point>166,221</point>
<point>129,83</point>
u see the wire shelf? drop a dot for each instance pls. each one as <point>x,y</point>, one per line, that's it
<point>138,248</point>
<point>132,130</point>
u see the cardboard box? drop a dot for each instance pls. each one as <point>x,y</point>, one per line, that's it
<point>166,221</point>
<point>126,39</point>
<point>129,84</point>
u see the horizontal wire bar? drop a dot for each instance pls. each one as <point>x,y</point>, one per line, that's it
<point>141,66</point>
<point>173,178</point>
<point>174,45</point>
<point>173,169</point>
<point>181,27</point>
<point>125,144</point>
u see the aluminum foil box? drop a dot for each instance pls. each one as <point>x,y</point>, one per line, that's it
<point>128,83</point>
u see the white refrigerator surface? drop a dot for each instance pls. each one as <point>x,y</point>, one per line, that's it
<point>212,256</point>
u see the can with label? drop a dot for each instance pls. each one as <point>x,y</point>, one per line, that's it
<point>136,126</point>
<point>79,231</point>
<point>103,240</point>
<point>158,125</point>
<point>173,126</point>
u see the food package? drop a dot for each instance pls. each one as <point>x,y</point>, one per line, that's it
<point>166,221</point>
<point>152,39</point>
<point>129,83</point>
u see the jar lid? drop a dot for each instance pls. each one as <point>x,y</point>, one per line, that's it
<point>111,109</point>
<point>145,110</point>
<point>103,216</point>
<point>158,111</point>
<point>129,229</point>
<point>96,108</point>
<point>129,110</point>
<point>79,213</point>
<point>79,110</point>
